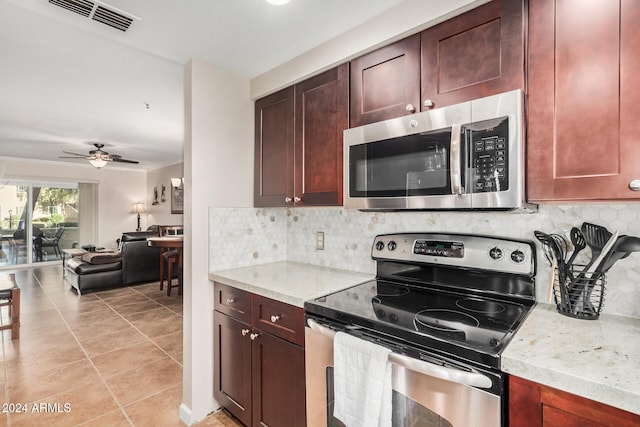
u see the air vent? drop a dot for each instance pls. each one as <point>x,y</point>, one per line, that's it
<point>97,12</point>
<point>112,19</point>
<point>81,7</point>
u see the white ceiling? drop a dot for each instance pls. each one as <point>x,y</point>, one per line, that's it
<point>67,81</point>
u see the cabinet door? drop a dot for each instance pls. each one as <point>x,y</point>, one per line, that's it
<point>322,114</point>
<point>273,166</point>
<point>584,99</point>
<point>232,366</point>
<point>532,404</point>
<point>476,54</point>
<point>385,82</point>
<point>278,383</point>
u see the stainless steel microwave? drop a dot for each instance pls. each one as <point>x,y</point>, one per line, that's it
<point>465,156</point>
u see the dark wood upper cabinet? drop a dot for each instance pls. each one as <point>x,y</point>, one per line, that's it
<point>584,100</point>
<point>298,142</point>
<point>385,82</point>
<point>476,54</point>
<point>321,117</point>
<point>273,174</point>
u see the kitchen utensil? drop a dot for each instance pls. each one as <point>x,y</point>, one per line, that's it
<point>579,243</point>
<point>551,246</point>
<point>596,236</point>
<point>554,248</point>
<point>552,279</point>
<point>624,246</point>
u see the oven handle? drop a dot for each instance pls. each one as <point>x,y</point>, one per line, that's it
<point>455,160</point>
<point>473,379</point>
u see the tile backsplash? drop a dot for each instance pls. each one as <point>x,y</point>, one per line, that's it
<point>242,237</point>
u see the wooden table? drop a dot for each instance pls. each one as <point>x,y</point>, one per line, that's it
<point>169,242</point>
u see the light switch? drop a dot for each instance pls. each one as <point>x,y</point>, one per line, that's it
<point>319,241</point>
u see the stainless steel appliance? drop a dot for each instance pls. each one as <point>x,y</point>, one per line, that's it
<point>464,156</point>
<point>447,306</point>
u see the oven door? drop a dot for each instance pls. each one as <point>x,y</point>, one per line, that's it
<point>438,400</point>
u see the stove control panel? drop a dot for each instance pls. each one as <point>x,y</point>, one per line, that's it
<point>465,250</point>
<point>437,248</point>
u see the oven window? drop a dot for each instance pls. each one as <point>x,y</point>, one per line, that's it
<point>406,412</point>
<point>414,165</point>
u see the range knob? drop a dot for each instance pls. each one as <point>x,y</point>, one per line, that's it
<point>495,253</point>
<point>518,256</point>
<point>379,245</point>
<point>392,245</point>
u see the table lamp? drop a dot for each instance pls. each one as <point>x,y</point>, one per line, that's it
<point>138,208</point>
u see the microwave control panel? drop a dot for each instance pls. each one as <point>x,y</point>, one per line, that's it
<point>489,148</point>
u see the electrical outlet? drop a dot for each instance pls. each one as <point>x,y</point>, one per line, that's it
<point>319,241</point>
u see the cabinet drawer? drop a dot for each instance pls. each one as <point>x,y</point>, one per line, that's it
<point>232,302</point>
<point>278,318</point>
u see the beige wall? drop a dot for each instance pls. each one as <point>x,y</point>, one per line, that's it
<point>161,213</point>
<point>118,189</point>
<point>218,170</point>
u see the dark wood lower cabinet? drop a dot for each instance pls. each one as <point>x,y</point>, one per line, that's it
<point>259,377</point>
<point>532,404</point>
<point>232,369</point>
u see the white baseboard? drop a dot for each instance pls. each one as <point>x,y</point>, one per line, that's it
<point>185,414</point>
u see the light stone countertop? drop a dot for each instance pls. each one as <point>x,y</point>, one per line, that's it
<point>597,359</point>
<point>290,282</point>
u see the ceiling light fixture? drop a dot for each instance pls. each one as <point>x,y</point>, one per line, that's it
<point>98,162</point>
<point>278,2</point>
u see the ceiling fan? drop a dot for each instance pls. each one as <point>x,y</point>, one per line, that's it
<point>98,158</point>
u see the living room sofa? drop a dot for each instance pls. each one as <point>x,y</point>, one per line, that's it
<point>135,262</point>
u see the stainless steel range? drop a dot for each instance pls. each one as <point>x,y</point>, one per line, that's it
<point>447,306</point>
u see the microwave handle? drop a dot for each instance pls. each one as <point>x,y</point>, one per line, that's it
<point>455,160</point>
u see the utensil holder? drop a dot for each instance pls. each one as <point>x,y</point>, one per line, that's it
<point>577,295</point>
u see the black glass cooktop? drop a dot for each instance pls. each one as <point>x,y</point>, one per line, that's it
<point>426,316</point>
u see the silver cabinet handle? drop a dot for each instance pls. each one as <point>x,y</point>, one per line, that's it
<point>410,108</point>
<point>254,336</point>
<point>296,199</point>
<point>635,185</point>
<point>231,300</point>
<point>429,103</point>
<point>287,199</point>
<point>245,332</point>
<point>274,319</point>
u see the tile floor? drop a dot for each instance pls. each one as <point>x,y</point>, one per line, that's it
<point>109,358</point>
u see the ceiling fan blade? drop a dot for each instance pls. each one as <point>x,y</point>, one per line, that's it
<point>75,154</point>
<point>69,157</point>
<point>121,160</point>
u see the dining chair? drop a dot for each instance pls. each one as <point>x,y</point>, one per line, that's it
<point>10,297</point>
<point>53,242</point>
<point>168,230</point>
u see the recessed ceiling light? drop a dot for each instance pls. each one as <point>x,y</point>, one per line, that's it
<point>278,2</point>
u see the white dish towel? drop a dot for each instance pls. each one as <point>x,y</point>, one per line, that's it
<point>362,382</point>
